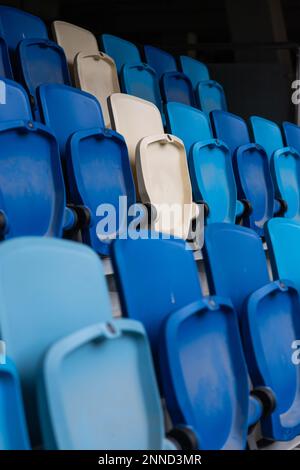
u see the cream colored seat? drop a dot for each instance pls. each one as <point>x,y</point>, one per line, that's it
<point>74,39</point>
<point>97,74</point>
<point>164,182</point>
<point>135,119</point>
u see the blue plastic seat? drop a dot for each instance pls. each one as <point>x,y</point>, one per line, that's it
<point>141,80</point>
<point>194,69</point>
<point>99,173</point>
<point>267,134</point>
<point>49,289</point>
<point>67,110</point>
<point>5,65</point>
<point>210,96</point>
<point>230,128</point>
<point>41,61</point>
<point>118,408</point>
<point>160,60</point>
<point>176,86</point>
<point>210,164</point>
<point>36,204</point>
<point>122,51</point>
<point>13,429</point>
<point>14,102</point>
<point>291,134</point>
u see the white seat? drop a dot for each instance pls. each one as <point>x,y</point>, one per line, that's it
<point>164,182</point>
<point>97,74</point>
<point>135,119</point>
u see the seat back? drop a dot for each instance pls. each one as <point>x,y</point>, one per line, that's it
<point>97,74</point>
<point>67,110</point>
<point>138,262</point>
<point>42,61</point>
<point>30,157</point>
<point>73,40</point>
<point>61,289</point>
<point>177,87</point>
<point>291,134</point>
<point>161,61</point>
<point>194,69</point>
<point>267,134</point>
<point>99,173</point>
<point>230,128</point>
<point>164,181</point>
<point>235,262</point>
<point>5,65</point>
<point>122,51</point>
<point>135,119</point>
<point>210,96</point>
<point>14,103</point>
<point>93,406</point>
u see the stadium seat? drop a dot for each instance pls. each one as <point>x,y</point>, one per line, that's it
<point>97,74</point>
<point>73,40</point>
<point>5,65</point>
<point>135,119</point>
<point>14,104</point>
<point>209,163</point>
<point>194,69</point>
<point>41,61</point>
<point>161,61</point>
<point>60,288</point>
<point>269,320</point>
<point>87,407</point>
<point>210,96</point>
<point>36,205</point>
<point>267,134</point>
<point>99,173</point>
<point>291,134</point>
<point>185,330</point>
<point>164,183</point>
<point>122,51</point>
<point>176,86</point>
<point>13,429</point>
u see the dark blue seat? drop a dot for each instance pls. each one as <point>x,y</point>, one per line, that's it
<point>176,86</point>
<point>194,69</point>
<point>210,96</point>
<point>291,134</point>
<point>41,61</point>
<point>99,173</point>
<point>122,51</point>
<point>14,102</point>
<point>160,60</point>
<point>5,65</point>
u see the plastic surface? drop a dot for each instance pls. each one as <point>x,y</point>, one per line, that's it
<point>73,40</point>
<point>122,51</point>
<point>267,134</point>
<point>99,173</point>
<point>194,69</point>
<point>16,25</point>
<point>67,110</point>
<point>235,262</point>
<point>42,61</point>
<point>13,430</point>
<point>271,326</point>
<point>134,119</point>
<point>161,61</point>
<point>164,182</point>
<point>5,66</point>
<point>97,74</point>
<point>61,288</point>
<point>194,381</point>
<point>88,407</point>
<point>175,86</point>
<point>141,80</point>
<point>30,158</point>
<point>230,128</point>
<point>138,262</point>
<point>254,184</point>
<point>14,102</point>
<point>291,133</point>
<point>210,96</point>
<point>285,168</point>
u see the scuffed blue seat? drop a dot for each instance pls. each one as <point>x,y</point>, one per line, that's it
<point>5,65</point>
<point>210,96</point>
<point>160,60</point>
<point>194,69</point>
<point>122,51</point>
<point>14,102</point>
<point>176,86</point>
<point>41,61</point>
<point>13,429</point>
<point>210,164</point>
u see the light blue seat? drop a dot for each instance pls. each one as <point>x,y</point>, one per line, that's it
<point>161,61</point>
<point>49,289</point>
<point>267,134</point>
<point>41,61</point>
<point>14,102</point>
<point>210,164</point>
<point>210,96</point>
<point>13,429</point>
<point>99,391</point>
<point>176,86</point>
<point>5,65</point>
<point>122,51</point>
<point>194,69</point>
<point>99,173</point>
